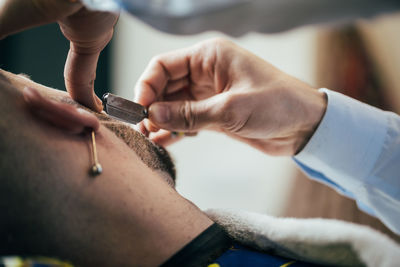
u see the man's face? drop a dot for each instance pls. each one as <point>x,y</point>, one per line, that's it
<point>51,206</point>
<point>154,156</point>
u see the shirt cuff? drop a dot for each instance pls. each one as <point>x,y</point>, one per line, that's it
<point>347,142</point>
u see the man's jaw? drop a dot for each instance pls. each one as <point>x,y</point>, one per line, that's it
<point>154,156</point>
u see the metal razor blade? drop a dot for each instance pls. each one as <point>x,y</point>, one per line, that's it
<point>123,109</point>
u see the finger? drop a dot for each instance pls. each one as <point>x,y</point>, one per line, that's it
<point>176,85</point>
<point>181,95</point>
<point>165,138</point>
<point>162,69</point>
<point>150,126</point>
<point>88,32</point>
<point>61,115</point>
<point>140,127</point>
<point>80,74</point>
<point>177,96</point>
<point>186,116</point>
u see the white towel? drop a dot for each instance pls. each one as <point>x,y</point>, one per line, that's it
<point>321,241</point>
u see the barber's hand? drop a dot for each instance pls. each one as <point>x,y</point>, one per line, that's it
<point>220,86</point>
<point>88,32</point>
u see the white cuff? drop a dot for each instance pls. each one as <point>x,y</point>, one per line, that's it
<point>347,142</point>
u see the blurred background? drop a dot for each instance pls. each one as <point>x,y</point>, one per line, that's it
<point>214,171</point>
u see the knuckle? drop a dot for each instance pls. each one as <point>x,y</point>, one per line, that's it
<point>215,43</point>
<point>222,45</point>
<point>157,60</point>
<point>232,117</point>
<point>188,116</point>
<point>229,114</point>
<point>219,41</point>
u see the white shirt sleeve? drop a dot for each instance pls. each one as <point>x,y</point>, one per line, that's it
<point>356,150</point>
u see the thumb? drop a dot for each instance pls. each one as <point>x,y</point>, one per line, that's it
<point>185,116</point>
<point>80,73</point>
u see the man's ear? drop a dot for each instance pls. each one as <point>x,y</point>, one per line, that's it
<point>63,116</point>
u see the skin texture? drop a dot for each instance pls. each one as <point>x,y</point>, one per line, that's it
<point>51,206</point>
<point>58,109</point>
<point>219,86</point>
<point>88,32</point>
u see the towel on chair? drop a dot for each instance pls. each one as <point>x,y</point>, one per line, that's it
<point>320,241</point>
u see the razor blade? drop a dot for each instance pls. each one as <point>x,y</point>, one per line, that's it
<point>123,109</point>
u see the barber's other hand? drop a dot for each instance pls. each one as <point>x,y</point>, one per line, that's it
<point>220,86</point>
<point>88,32</point>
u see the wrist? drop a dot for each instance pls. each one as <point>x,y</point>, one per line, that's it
<point>315,103</point>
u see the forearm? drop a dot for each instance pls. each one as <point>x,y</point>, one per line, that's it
<point>18,15</point>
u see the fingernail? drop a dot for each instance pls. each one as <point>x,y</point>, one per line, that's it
<point>159,113</point>
<point>99,103</point>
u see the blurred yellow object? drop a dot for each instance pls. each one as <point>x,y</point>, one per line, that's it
<point>32,262</point>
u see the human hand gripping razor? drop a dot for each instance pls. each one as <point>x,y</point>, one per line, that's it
<point>128,111</point>
<point>123,109</point>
